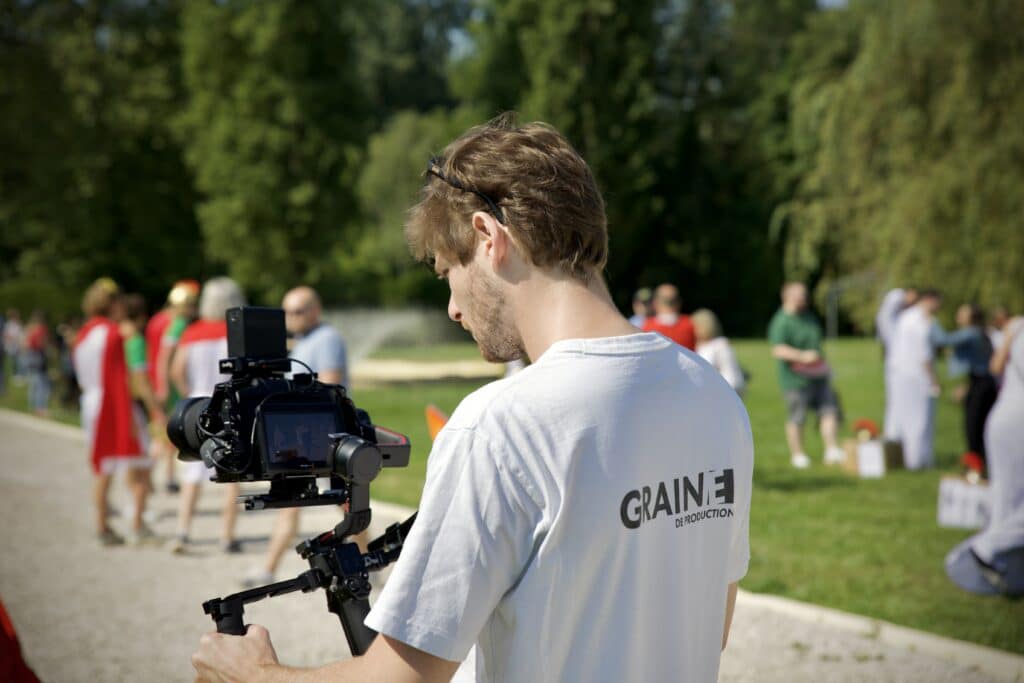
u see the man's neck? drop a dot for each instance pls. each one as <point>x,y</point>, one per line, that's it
<point>549,307</point>
<point>791,309</point>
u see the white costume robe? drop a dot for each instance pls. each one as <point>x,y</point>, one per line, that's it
<point>1001,544</point>
<point>1004,447</point>
<point>885,326</point>
<point>912,417</point>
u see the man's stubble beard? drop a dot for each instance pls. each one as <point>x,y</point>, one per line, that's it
<point>497,337</point>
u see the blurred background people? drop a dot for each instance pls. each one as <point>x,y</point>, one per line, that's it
<point>13,333</point>
<point>130,315</point>
<point>713,347</point>
<point>972,352</point>
<point>195,371</point>
<point>894,303</point>
<point>642,308</point>
<point>35,358</point>
<point>115,430</point>
<point>993,561</point>
<point>795,336</point>
<point>132,322</point>
<point>162,334</point>
<point>667,320</point>
<point>997,323</point>
<point>68,392</point>
<point>322,348</point>
<point>915,384</point>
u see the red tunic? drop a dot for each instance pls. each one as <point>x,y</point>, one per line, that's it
<point>107,411</point>
<point>155,329</point>
<point>681,331</point>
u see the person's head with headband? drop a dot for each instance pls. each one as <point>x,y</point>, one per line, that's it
<point>183,297</point>
<point>100,297</point>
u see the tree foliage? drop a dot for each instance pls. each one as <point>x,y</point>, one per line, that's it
<point>910,150</point>
<point>272,129</point>
<point>736,141</point>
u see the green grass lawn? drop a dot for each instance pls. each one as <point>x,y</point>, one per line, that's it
<point>866,546</point>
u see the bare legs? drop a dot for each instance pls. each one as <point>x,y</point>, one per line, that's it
<point>138,482</point>
<point>829,425</point>
<point>829,429</point>
<point>286,525</point>
<point>100,491</point>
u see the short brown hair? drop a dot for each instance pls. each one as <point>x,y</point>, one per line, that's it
<point>547,196</point>
<point>99,297</point>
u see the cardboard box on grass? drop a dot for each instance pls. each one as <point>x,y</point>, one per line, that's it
<point>865,459</point>
<point>963,505</point>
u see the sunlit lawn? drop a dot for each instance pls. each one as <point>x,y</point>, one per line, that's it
<point>865,546</point>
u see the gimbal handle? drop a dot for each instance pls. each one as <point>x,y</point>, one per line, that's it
<point>227,612</point>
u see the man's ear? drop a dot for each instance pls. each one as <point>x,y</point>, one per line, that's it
<point>492,237</point>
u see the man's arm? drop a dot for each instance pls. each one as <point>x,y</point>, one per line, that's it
<point>177,372</point>
<point>223,658</point>
<point>730,605</point>
<point>792,354</point>
<point>331,376</point>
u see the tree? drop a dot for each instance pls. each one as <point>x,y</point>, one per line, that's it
<point>91,181</point>
<point>273,129</point>
<point>911,152</point>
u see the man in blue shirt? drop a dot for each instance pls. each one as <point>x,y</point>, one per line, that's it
<point>321,347</point>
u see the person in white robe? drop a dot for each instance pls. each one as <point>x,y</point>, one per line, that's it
<point>915,387</point>
<point>893,303</point>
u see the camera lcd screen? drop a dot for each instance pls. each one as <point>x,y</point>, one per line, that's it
<point>297,440</point>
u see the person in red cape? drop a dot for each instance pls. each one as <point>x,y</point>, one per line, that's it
<point>115,430</point>
<point>163,331</point>
<point>13,668</point>
<point>667,320</point>
<point>195,371</point>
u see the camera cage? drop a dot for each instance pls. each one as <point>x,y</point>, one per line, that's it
<point>232,431</point>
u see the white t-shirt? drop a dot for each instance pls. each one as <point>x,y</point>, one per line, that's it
<point>911,347</point>
<point>719,353</point>
<point>581,521</point>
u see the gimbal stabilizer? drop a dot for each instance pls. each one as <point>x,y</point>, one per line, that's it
<point>337,566</point>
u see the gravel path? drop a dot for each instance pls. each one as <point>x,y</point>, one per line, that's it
<point>133,614</point>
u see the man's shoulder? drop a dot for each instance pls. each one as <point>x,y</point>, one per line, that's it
<point>326,334</point>
<point>476,404</point>
<point>779,321</point>
<point>204,331</point>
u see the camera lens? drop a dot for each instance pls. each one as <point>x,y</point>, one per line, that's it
<point>183,426</point>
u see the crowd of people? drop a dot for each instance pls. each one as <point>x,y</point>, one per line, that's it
<point>989,352</point>
<point>503,545</point>
<point>132,369</point>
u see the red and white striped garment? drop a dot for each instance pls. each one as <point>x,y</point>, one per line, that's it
<point>114,425</point>
<point>204,342</point>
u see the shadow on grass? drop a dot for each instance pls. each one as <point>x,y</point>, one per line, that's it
<point>786,482</point>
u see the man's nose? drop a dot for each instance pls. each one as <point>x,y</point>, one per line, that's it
<point>453,311</point>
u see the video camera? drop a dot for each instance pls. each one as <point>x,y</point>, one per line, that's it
<point>261,425</point>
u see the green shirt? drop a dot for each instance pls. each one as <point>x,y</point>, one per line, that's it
<point>135,352</point>
<point>801,331</point>
<point>171,337</point>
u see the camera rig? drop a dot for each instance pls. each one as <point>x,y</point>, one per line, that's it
<point>339,568</point>
<point>262,425</point>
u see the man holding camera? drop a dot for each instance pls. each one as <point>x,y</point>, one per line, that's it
<point>585,519</point>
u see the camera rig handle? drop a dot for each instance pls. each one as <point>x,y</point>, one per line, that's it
<point>339,568</point>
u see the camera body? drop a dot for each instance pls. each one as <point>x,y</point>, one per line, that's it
<point>262,425</point>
